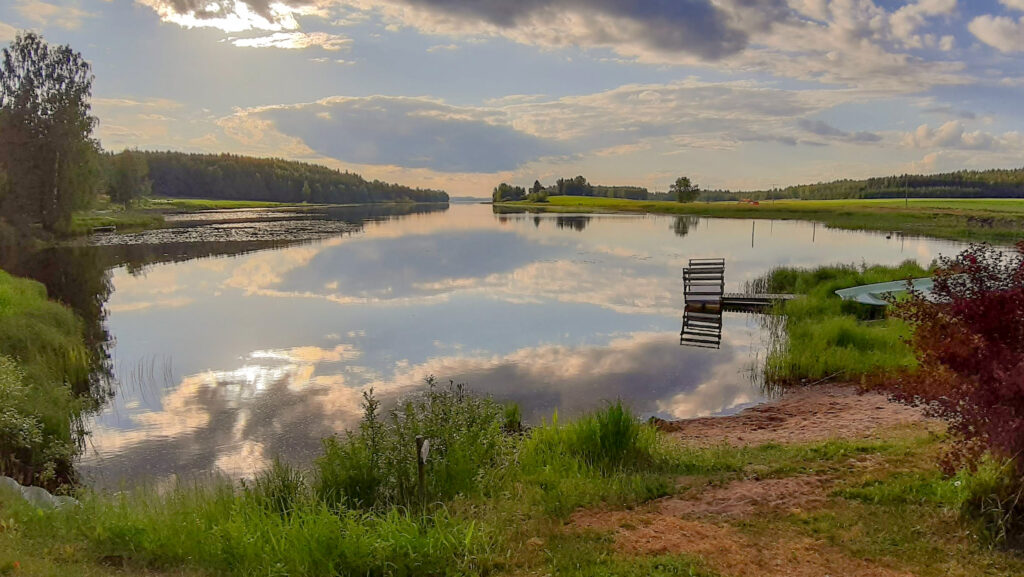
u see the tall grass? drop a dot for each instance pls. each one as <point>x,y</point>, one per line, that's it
<point>42,355</point>
<point>821,336</point>
<point>378,465</point>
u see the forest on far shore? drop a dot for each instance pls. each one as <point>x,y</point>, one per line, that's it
<point>234,177</point>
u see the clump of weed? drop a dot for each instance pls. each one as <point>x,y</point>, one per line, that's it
<point>379,464</point>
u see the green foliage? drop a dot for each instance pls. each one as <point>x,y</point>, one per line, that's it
<point>128,177</point>
<point>376,466</point>
<point>684,190</point>
<point>217,530</point>
<point>233,177</point>
<point>994,502</point>
<point>281,488</point>
<point>822,336</point>
<point>512,419</point>
<point>47,154</point>
<point>505,192</point>
<point>42,356</point>
<point>960,184</point>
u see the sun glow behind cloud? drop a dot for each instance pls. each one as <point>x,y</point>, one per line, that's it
<point>229,15</point>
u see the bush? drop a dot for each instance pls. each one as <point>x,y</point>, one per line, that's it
<point>377,465</point>
<point>969,342</point>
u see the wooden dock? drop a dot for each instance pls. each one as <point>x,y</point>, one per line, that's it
<point>704,287</point>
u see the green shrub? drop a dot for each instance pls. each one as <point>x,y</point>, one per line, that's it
<point>994,502</point>
<point>377,464</point>
<point>46,356</point>
<point>513,419</point>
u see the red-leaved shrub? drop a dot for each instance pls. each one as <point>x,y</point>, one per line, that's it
<point>969,341</point>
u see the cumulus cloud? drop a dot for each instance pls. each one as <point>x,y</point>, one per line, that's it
<point>908,20</point>
<point>1000,32</point>
<point>822,128</point>
<point>409,132</point>
<point>953,134</point>
<point>856,42</point>
<point>294,40</point>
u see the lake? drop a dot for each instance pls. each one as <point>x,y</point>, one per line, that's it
<point>232,341</point>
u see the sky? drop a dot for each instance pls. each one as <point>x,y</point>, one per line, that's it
<point>463,94</point>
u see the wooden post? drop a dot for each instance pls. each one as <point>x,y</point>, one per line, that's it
<point>420,472</point>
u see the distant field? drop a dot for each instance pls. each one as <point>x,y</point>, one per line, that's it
<point>194,204</point>
<point>993,220</point>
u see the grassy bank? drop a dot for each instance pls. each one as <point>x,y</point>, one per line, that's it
<point>999,221</point>
<point>150,213</point>
<point>819,336</point>
<point>42,357</point>
<point>501,503</point>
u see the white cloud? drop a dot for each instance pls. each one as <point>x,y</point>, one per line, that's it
<point>1000,32</point>
<point>294,40</point>
<point>229,15</point>
<point>1013,4</point>
<point>44,14</point>
<point>409,132</point>
<point>908,20</point>
<point>954,135</point>
<point>852,42</point>
<point>443,48</point>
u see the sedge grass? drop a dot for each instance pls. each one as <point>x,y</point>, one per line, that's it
<point>819,336</point>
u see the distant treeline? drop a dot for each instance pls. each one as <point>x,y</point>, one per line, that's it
<point>233,177</point>
<point>997,183</point>
<point>960,184</point>
<point>578,186</point>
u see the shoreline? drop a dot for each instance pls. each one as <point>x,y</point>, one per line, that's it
<point>1000,221</point>
<point>801,415</point>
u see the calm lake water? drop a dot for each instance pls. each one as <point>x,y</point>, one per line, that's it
<point>228,349</point>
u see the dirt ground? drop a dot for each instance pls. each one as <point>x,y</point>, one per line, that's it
<point>801,416</point>
<point>697,522</point>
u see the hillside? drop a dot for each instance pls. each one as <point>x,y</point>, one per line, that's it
<point>233,177</point>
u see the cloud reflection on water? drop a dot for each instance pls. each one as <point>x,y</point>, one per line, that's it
<point>271,350</point>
